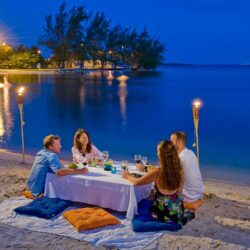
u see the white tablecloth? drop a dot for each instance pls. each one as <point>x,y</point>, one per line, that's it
<point>98,187</point>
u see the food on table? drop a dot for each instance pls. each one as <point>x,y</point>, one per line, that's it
<point>150,168</point>
<point>72,166</point>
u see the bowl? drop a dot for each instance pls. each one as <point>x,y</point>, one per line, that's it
<point>107,167</point>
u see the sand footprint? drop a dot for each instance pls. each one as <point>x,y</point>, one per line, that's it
<point>242,224</point>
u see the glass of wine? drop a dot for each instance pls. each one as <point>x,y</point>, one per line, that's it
<point>144,160</point>
<point>138,158</point>
<point>105,155</point>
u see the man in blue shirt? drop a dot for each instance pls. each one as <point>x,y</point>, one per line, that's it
<point>47,161</point>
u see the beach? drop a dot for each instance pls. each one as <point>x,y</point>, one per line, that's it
<point>223,222</point>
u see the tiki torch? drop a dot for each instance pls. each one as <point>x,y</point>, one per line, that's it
<point>20,106</point>
<point>196,106</point>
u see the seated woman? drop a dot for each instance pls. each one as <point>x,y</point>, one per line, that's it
<point>83,150</point>
<point>168,178</point>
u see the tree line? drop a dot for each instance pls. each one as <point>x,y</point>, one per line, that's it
<point>20,57</point>
<point>77,36</point>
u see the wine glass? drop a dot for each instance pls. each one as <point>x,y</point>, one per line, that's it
<point>144,160</point>
<point>138,158</point>
<point>105,155</point>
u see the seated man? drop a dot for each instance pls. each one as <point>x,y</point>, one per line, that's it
<point>193,185</point>
<point>47,161</point>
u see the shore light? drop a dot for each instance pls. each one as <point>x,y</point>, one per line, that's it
<point>110,75</point>
<point>196,104</point>
<point>20,106</point>
<point>122,78</point>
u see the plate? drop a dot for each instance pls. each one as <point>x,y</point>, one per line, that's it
<point>79,166</point>
<point>137,172</point>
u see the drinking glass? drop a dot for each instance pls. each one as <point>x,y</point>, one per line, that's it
<point>138,158</point>
<point>110,162</point>
<point>93,161</point>
<point>144,160</point>
<point>124,165</point>
<point>105,155</point>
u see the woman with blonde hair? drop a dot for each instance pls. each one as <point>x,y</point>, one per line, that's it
<point>83,150</point>
<point>167,204</point>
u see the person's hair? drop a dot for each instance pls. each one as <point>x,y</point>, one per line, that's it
<point>181,136</point>
<point>170,171</point>
<point>49,140</point>
<point>77,142</point>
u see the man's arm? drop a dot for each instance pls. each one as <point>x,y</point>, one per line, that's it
<point>63,172</point>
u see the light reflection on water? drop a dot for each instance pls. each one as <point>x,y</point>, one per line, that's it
<point>122,93</point>
<point>6,118</point>
<point>131,117</point>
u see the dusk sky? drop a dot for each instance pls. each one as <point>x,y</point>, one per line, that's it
<point>193,31</point>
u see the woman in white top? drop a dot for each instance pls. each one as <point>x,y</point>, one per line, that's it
<point>83,150</point>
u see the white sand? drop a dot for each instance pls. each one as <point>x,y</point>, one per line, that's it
<point>223,222</point>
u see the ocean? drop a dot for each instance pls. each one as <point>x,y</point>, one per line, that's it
<point>131,117</point>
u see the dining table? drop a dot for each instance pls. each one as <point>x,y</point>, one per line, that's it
<point>100,188</point>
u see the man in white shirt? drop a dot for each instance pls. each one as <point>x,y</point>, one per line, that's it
<point>193,185</point>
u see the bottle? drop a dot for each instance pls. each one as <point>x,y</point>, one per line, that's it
<point>113,170</point>
<point>93,162</point>
<point>124,165</point>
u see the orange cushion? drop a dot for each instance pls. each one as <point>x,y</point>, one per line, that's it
<point>193,205</point>
<point>90,218</point>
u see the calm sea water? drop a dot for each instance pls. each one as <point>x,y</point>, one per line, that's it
<point>131,118</point>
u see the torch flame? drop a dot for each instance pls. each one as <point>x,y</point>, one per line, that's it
<point>197,103</point>
<point>20,91</point>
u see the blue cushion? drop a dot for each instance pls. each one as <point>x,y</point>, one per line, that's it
<point>144,207</point>
<point>44,207</point>
<point>140,224</point>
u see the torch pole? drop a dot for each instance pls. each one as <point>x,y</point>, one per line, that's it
<point>20,106</point>
<point>196,125</point>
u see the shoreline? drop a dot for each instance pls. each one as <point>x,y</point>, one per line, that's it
<point>27,71</point>
<point>55,71</point>
<point>222,222</point>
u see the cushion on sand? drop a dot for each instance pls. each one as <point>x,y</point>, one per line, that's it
<point>144,207</point>
<point>193,205</point>
<point>90,218</point>
<point>141,225</point>
<point>44,207</point>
